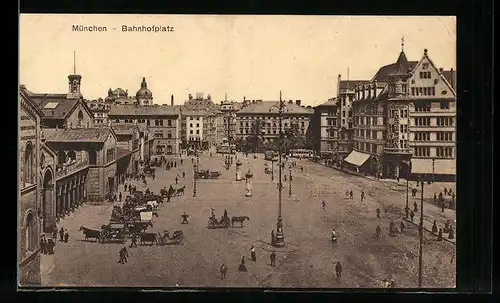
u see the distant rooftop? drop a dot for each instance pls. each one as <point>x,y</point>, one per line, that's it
<point>139,110</point>
<point>98,135</point>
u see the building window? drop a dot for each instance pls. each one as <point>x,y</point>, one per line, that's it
<point>197,131</point>
<point>191,132</point>
<point>197,124</point>
<point>422,152</point>
<point>169,122</point>
<point>444,136</point>
<point>169,134</point>
<point>444,152</point>
<point>445,121</point>
<point>343,113</point>
<point>29,233</point>
<point>422,106</point>
<point>110,155</point>
<point>148,122</point>
<point>422,136</point>
<point>445,104</point>
<point>28,163</point>
<point>422,121</point>
<point>92,157</point>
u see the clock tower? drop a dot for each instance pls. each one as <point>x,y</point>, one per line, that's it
<point>74,82</point>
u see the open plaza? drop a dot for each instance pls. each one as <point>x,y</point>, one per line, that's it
<point>308,258</point>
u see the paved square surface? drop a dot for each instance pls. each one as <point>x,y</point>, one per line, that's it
<point>366,260</point>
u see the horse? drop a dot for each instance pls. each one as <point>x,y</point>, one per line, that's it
<point>240,219</point>
<point>90,233</point>
<point>180,191</point>
<point>148,237</point>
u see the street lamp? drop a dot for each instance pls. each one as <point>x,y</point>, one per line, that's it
<point>422,181</point>
<point>272,169</point>
<point>195,169</point>
<point>280,239</point>
<point>290,181</point>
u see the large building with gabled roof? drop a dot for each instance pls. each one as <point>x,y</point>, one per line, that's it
<point>404,121</point>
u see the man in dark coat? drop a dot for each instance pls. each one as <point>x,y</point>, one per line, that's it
<point>338,270</point>
<point>61,234</point>
<point>415,207</point>
<point>273,259</point>
<point>134,240</point>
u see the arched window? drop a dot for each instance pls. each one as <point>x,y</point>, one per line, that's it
<point>92,157</point>
<point>28,164</point>
<point>80,118</point>
<point>61,157</point>
<point>29,233</point>
<point>72,155</point>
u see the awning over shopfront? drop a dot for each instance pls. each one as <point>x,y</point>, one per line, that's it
<point>357,158</point>
<point>441,166</point>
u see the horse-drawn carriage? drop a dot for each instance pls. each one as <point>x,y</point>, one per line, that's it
<point>113,232</point>
<point>149,171</point>
<point>177,238</point>
<point>206,174</point>
<point>224,222</point>
<point>172,192</point>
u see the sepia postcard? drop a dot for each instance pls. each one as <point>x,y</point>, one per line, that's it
<point>262,151</point>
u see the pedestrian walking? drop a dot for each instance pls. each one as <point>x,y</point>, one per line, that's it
<point>42,245</point>
<point>273,259</point>
<point>252,254</point>
<point>301,169</point>
<point>378,212</point>
<point>184,218</point>
<point>182,161</point>
<point>415,206</point>
<point>120,256</point>
<point>440,235</point>
<point>434,227</point>
<point>183,175</point>
<point>176,180</point>
<point>346,194</point>
<point>402,226</point>
<point>285,177</point>
<point>445,191</point>
<point>125,254</point>
<point>242,266</point>
<point>120,197</point>
<point>451,234</point>
<point>54,234</point>
<point>323,205</point>
<point>407,212</point>
<point>391,228</point>
<point>66,236</point>
<point>442,206</point>
<point>412,215</point>
<point>175,163</point>
<point>362,196</point>
<point>435,198</point>
<point>61,234</point>
<point>223,271</point>
<point>351,195</point>
<point>338,270</point>
<point>134,240</point>
<point>378,231</point>
<point>125,187</point>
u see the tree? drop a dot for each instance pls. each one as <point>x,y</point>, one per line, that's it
<point>255,138</point>
<point>293,138</point>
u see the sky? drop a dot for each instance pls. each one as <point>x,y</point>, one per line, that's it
<point>242,56</point>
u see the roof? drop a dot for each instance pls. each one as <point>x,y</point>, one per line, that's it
<point>384,72</point>
<point>195,113</point>
<point>124,129</point>
<point>401,66</point>
<point>24,95</point>
<point>451,76</point>
<point>120,152</point>
<point>350,84</point>
<point>269,106</point>
<point>331,102</point>
<point>139,110</point>
<point>98,135</point>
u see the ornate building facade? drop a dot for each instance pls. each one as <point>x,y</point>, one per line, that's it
<point>325,127</point>
<point>404,121</point>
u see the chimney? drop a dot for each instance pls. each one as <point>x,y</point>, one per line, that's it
<point>297,102</point>
<point>172,100</point>
<point>338,85</point>
<point>440,70</point>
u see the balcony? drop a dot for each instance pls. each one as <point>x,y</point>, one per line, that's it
<point>432,143</point>
<point>70,168</point>
<point>398,151</point>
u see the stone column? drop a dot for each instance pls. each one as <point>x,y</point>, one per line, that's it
<point>238,170</point>
<point>248,176</point>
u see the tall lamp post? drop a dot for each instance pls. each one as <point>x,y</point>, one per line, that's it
<point>422,181</point>
<point>280,239</point>
<point>290,180</point>
<point>272,169</point>
<point>195,169</point>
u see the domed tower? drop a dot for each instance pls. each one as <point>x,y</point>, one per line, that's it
<point>144,95</point>
<point>110,98</point>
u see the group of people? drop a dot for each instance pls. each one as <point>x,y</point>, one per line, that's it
<point>350,195</point>
<point>447,228</point>
<point>223,218</point>
<point>242,266</point>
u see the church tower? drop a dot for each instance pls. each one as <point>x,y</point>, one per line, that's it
<point>75,81</point>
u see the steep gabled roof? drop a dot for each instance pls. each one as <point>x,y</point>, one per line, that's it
<point>350,84</point>
<point>445,80</point>
<point>385,71</point>
<point>97,135</point>
<point>29,101</point>
<point>451,77</point>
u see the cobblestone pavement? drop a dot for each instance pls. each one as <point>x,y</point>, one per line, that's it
<point>366,260</point>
